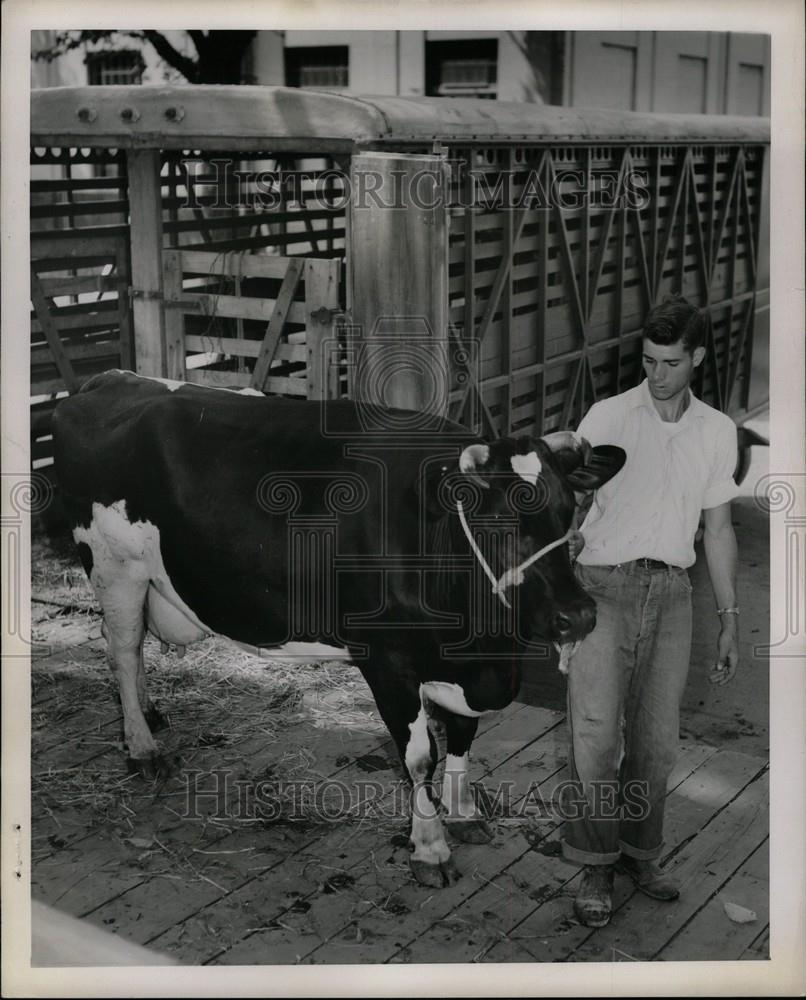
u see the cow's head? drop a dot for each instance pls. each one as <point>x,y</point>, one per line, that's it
<point>531,483</point>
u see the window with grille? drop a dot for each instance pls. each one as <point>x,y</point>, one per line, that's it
<point>463,68</point>
<point>111,67</point>
<point>322,66</point>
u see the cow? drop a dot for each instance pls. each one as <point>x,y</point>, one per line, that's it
<point>437,557</point>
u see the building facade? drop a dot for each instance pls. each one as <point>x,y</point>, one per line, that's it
<point>686,72</point>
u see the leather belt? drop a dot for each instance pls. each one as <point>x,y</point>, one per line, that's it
<point>650,564</point>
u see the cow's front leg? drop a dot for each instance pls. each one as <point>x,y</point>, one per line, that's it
<point>399,699</point>
<point>464,820</point>
<point>430,859</point>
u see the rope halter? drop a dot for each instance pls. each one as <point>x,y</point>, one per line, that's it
<point>512,577</point>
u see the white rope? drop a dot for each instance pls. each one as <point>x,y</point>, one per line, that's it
<point>478,554</point>
<point>512,577</point>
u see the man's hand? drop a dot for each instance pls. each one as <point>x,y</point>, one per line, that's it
<point>576,543</point>
<point>727,652</point>
<point>720,553</point>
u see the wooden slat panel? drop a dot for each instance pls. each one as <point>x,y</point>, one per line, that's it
<point>77,243</point>
<point>97,318</point>
<point>48,265</point>
<point>237,307</point>
<point>80,284</point>
<point>281,311</point>
<point>49,386</point>
<point>257,242</point>
<point>244,348</point>
<point>48,325</point>
<point>284,386</point>
<point>246,266</point>
<point>303,216</point>
<point>43,355</point>
<point>78,208</point>
<point>77,184</point>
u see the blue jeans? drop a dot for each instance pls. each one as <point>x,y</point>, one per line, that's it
<point>625,684</point>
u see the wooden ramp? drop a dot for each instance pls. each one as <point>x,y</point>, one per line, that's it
<point>232,883</point>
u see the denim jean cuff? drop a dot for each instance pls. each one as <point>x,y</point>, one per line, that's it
<point>640,855</point>
<point>571,853</point>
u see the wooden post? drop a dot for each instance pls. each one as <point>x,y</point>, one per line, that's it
<point>399,273</point>
<point>145,209</point>
<point>321,303</point>
<point>173,318</point>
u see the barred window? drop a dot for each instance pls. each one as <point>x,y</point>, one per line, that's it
<point>111,67</point>
<point>462,68</point>
<point>322,66</point>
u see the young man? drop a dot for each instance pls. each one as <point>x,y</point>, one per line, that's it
<point>626,681</point>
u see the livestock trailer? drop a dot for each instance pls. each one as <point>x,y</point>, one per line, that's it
<point>487,260</point>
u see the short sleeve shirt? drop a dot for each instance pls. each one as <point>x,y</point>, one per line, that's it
<point>651,509</point>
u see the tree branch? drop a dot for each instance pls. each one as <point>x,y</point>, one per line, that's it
<point>189,68</point>
<point>519,41</point>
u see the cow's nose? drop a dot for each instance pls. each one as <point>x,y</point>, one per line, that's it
<point>575,622</point>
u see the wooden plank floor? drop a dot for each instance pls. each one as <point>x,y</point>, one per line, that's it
<point>235,885</point>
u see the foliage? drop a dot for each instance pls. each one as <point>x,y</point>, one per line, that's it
<point>219,54</point>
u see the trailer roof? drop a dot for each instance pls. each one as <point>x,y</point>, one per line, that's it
<point>289,119</point>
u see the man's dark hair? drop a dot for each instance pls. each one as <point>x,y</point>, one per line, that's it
<point>673,320</point>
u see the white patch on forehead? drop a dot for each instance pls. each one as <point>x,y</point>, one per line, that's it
<point>528,467</point>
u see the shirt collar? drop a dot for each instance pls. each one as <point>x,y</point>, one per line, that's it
<point>696,408</point>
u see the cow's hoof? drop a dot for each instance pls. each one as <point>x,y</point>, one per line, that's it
<point>155,719</point>
<point>435,876</point>
<point>469,831</point>
<point>153,768</point>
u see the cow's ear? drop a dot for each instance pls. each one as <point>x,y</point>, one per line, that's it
<point>604,462</point>
<point>585,468</point>
<point>473,461</point>
<point>570,449</point>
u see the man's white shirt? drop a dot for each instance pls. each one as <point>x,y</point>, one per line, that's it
<point>673,471</point>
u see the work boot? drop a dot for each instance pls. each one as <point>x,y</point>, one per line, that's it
<point>649,878</point>
<point>594,901</point>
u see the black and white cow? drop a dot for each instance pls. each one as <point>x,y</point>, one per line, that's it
<point>436,557</point>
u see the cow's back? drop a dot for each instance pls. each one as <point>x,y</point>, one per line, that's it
<point>219,474</point>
